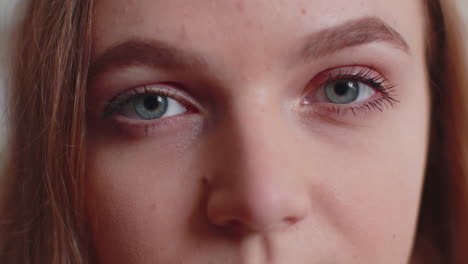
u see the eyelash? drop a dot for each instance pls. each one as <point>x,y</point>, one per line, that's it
<point>367,76</point>
<point>119,101</point>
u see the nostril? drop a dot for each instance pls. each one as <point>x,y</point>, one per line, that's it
<point>237,227</point>
<point>259,207</point>
<point>291,220</point>
<point>240,216</point>
<point>234,228</point>
<point>232,224</point>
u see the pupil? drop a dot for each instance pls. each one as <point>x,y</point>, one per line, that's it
<point>151,102</point>
<point>341,88</point>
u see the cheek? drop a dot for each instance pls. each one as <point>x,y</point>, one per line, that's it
<point>146,198</point>
<point>373,181</point>
<point>138,190</point>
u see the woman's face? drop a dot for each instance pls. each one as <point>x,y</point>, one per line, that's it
<point>264,131</point>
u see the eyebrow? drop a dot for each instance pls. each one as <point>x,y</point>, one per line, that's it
<point>145,52</point>
<point>352,33</point>
<point>158,54</point>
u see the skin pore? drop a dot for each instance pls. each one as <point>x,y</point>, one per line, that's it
<point>220,131</point>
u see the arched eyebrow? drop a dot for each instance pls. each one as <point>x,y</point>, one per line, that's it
<point>352,33</point>
<point>145,52</point>
<point>158,54</point>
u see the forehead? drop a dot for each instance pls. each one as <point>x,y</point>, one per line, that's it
<point>262,27</point>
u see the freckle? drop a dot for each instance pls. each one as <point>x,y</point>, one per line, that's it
<point>303,11</point>
<point>153,206</point>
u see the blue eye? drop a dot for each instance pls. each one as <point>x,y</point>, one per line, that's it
<point>342,91</point>
<point>151,106</point>
<point>347,91</point>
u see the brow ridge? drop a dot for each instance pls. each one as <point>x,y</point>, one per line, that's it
<point>159,54</point>
<point>145,52</point>
<point>351,34</point>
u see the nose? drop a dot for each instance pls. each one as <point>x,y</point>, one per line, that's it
<point>258,184</point>
<point>256,207</point>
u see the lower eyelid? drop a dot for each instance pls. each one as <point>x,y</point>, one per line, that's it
<point>377,103</point>
<point>355,72</point>
<point>163,126</point>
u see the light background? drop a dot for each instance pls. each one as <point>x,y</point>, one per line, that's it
<point>8,9</point>
<point>9,12</point>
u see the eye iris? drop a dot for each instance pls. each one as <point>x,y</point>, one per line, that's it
<point>151,106</point>
<point>151,102</point>
<point>342,91</point>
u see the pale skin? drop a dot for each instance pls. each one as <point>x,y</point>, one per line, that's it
<point>252,163</point>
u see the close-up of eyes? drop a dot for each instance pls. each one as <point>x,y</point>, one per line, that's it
<point>354,88</point>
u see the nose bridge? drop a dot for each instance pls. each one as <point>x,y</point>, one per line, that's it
<point>256,137</point>
<point>256,186</point>
<point>260,131</point>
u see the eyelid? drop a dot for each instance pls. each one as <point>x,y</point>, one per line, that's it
<point>365,74</point>
<point>368,75</point>
<point>359,72</point>
<point>171,90</point>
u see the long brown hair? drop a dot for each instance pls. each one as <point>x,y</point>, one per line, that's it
<point>42,218</point>
<point>442,235</point>
<point>41,214</point>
